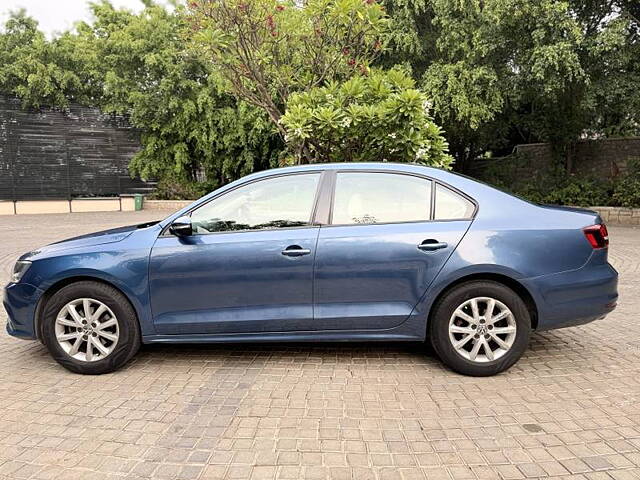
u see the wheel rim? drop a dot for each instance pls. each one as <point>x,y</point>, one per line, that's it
<point>482,329</point>
<point>87,329</point>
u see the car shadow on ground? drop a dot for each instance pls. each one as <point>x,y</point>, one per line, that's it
<point>415,352</point>
<point>360,353</point>
<point>291,348</point>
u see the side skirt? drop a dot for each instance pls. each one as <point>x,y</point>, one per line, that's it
<point>320,336</point>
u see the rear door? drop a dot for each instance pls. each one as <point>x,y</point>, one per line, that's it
<point>385,243</point>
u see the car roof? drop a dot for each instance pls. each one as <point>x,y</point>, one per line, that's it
<point>373,166</point>
<point>456,180</point>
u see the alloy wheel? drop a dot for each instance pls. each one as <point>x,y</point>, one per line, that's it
<point>482,329</point>
<point>87,329</point>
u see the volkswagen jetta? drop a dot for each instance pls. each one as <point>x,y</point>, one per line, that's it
<point>335,252</point>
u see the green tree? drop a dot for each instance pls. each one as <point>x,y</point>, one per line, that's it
<point>377,117</point>
<point>189,124</point>
<point>269,49</point>
<point>502,72</point>
<point>308,67</point>
<point>37,70</point>
<point>503,54</point>
<point>412,34</point>
<point>612,38</point>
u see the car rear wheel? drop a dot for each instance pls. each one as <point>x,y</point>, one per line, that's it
<point>90,328</point>
<point>480,328</point>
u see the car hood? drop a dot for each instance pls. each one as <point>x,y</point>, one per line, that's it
<point>91,239</point>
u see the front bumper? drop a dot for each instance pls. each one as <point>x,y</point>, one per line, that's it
<point>576,297</point>
<point>20,301</point>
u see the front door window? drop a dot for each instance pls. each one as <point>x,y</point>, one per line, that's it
<point>278,202</point>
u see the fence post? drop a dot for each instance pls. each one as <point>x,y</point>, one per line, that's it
<point>119,162</point>
<point>13,152</point>
<point>66,148</point>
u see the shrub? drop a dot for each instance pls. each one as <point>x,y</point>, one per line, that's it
<point>174,188</point>
<point>552,185</point>
<point>626,192</point>
<point>375,117</point>
<point>580,192</point>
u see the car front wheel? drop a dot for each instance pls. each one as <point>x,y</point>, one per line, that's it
<point>90,328</point>
<point>480,328</point>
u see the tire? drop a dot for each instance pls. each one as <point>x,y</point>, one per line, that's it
<point>511,314</point>
<point>123,335</point>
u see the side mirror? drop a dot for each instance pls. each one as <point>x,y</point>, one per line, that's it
<point>181,227</point>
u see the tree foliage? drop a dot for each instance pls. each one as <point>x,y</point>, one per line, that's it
<point>378,117</point>
<point>37,70</point>
<point>502,72</point>
<point>269,49</point>
<point>291,60</point>
<point>190,124</point>
<point>220,88</point>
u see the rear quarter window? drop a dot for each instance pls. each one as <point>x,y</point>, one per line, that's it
<point>450,205</point>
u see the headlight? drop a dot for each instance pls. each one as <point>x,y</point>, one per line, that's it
<point>19,270</point>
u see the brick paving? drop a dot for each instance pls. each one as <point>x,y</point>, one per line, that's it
<point>568,409</point>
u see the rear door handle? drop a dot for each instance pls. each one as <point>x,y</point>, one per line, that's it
<point>295,251</point>
<point>431,245</point>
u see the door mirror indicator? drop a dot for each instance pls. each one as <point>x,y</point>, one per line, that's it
<point>181,227</point>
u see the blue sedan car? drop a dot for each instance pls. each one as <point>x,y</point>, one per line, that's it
<point>335,252</point>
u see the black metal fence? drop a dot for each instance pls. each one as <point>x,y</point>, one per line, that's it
<point>48,154</point>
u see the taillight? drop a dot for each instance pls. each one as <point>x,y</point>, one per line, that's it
<point>597,235</point>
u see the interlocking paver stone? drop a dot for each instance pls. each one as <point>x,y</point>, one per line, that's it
<point>568,409</point>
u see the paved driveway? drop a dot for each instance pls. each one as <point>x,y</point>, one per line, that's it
<point>569,408</point>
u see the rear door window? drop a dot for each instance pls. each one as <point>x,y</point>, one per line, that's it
<point>370,198</point>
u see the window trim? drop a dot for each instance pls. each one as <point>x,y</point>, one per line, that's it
<point>431,219</point>
<point>311,222</point>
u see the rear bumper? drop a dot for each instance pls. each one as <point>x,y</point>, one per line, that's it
<point>576,297</point>
<point>20,300</point>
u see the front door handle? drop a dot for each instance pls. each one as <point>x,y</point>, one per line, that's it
<point>431,245</point>
<point>295,251</point>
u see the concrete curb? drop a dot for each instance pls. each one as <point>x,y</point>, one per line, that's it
<point>94,204</point>
<point>165,204</point>
<point>619,215</point>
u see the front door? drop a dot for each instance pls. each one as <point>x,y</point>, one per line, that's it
<point>385,244</point>
<point>248,268</point>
